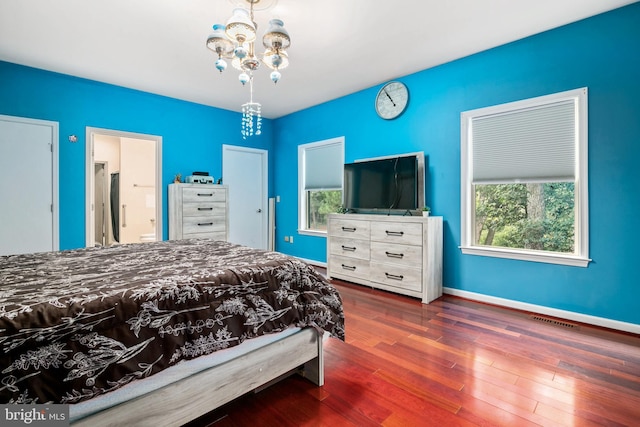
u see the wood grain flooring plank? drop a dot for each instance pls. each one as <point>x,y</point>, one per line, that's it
<point>473,370</point>
<point>425,371</point>
<point>560,418</point>
<point>596,374</point>
<point>520,349</point>
<point>455,350</point>
<point>416,355</point>
<point>438,399</point>
<point>577,351</point>
<point>482,327</point>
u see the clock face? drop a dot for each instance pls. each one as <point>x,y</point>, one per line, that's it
<point>392,100</point>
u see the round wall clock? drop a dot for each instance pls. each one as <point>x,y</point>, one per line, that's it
<point>392,100</point>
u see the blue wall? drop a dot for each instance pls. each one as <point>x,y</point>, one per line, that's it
<point>192,134</point>
<point>601,53</point>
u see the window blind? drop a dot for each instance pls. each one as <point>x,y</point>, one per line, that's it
<point>536,144</point>
<point>323,167</point>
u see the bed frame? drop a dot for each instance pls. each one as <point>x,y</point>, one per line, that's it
<point>191,397</point>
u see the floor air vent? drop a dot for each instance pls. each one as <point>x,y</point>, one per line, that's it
<point>554,322</point>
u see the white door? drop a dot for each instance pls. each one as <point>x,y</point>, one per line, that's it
<point>244,171</point>
<point>29,186</point>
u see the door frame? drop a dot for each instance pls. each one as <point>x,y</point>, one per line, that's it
<point>264,155</point>
<point>55,198</point>
<point>89,185</point>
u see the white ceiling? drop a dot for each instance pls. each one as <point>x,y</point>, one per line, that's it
<point>338,46</point>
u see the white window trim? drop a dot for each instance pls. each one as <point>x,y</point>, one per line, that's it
<point>580,258</point>
<point>302,206</point>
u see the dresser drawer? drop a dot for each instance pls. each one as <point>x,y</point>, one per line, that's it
<point>397,276</point>
<point>203,224</point>
<point>349,228</point>
<point>204,209</point>
<point>352,248</point>
<point>203,195</point>
<point>397,232</point>
<point>408,255</point>
<point>215,235</point>
<point>345,266</point>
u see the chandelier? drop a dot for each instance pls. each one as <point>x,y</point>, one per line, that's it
<point>236,41</point>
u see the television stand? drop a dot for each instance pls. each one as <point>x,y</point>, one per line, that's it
<point>401,254</point>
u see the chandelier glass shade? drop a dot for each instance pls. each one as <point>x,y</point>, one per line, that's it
<point>235,41</point>
<point>240,26</point>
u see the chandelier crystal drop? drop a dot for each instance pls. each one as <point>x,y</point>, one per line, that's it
<point>251,115</point>
<point>251,119</point>
<point>235,41</point>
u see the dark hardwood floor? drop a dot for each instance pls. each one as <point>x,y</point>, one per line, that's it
<point>453,362</point>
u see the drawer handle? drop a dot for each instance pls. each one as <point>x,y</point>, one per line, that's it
<point>394,233</point>
<point>205,194</point>
<point>394,255</point>
<point>394,276</point>
<point>349,267</point>
<point>205,223</point>
<point>205,209</point>
<point>348,248</point>
<point>349,229</point>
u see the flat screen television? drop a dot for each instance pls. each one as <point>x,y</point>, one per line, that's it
<point>386,185</point>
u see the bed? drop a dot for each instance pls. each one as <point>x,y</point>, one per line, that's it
<point>158,333</point>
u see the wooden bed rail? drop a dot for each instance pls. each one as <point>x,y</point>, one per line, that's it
<point>189,398</point>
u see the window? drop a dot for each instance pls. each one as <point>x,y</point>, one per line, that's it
<point>320,169</point>
<point>524,180</point>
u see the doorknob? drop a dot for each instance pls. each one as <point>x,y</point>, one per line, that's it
<point>259,210</point>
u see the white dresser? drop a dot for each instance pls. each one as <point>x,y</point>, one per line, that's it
<point>198,211</point>
<point>401,254</point>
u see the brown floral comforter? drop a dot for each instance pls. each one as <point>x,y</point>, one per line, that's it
<point>78,324</point>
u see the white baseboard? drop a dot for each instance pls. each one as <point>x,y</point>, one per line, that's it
<point>563,314</point>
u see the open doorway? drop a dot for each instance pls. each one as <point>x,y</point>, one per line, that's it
<point>123,188</point>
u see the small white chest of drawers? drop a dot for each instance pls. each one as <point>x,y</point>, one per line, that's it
<point>395,253</point>
<point>198,211</point>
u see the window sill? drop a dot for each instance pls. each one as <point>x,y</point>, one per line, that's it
<point>546,257</point>
<point>313,233</point>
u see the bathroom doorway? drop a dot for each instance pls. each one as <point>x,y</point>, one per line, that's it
<point>124,189</point>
